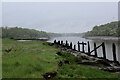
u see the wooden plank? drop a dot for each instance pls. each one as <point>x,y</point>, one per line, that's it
<point>83,43</point>
<point>96,48</point>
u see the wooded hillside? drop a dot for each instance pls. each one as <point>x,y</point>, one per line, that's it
<point>109,29</point>
<point>16,32</point>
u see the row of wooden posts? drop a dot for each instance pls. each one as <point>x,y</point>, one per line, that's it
<point>66,44</point>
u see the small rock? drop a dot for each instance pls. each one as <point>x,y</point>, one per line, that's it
<point>15,50</point>
<point>60,63</point>
<point>71,75</point>
<point>8,50</point>
<point>85,58</point>
<point>59,53</point>
<point>49,75</point>
<point>66,62</point>
<point>51,44</point>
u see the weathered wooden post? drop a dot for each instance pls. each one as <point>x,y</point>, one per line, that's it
<point>114,52</point>
<point>88,48</point>
<point>104,52</point>
<point>95,49</point>
<point>66,43</point>
<point>59,42</point>
<point>83,50</point>
<point>78,46</point>
<point>71,45</point>
<point>54,41</point>
<point>62,43</point>
<point>74,47</point>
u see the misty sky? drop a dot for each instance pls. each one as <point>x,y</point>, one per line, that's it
<point>58,17</point>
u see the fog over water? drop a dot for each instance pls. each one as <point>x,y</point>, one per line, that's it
<point>59,17</point>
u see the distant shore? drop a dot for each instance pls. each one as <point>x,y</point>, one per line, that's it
<point>103,38</point>
<point>39,39</point>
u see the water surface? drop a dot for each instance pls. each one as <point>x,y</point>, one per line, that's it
<point>108,45</point>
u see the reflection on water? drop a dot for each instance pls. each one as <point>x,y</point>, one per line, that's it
<point>23,40</point>
<point>108,45</point>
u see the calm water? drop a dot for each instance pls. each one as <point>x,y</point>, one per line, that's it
<point>108,45</point>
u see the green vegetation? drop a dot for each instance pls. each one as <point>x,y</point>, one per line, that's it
<point>66,34</point>
<point>16,32</point>
<point>109,29</point>
<point>32,59</point>
<point>54,34</point>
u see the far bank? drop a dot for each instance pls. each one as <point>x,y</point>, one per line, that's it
<point>103,38</point>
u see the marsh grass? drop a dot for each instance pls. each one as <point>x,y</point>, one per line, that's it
<point>32,59</point>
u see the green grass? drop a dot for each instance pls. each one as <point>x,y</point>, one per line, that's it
<point>31,59</point>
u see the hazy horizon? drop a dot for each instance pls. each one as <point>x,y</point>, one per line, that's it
<point>59,17</point>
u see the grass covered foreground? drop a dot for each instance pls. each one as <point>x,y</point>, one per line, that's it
<point>32,59</point>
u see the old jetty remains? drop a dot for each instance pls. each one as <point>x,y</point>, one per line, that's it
<point>110,65</point>
<point>70,46</point>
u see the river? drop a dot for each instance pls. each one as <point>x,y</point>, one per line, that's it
<point>108,44</point>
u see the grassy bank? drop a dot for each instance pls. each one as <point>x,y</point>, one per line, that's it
<point>32,59</point>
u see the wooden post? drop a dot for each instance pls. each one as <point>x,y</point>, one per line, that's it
<point>114,52</point>
<point>95,49</point>
<point>78,46</point>
<point>71,45</point>
<point>61,42</point>
<point>74,47</point>
<point>82,46</point>
<point>104,52</point>
<point>66,43</point>
<point>55,41</point>
<point>89,48</point>
<point>83,50</point>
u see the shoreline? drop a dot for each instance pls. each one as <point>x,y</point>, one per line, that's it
<point>91,60</point>
<point>39,39</point>
<point>103,38</point>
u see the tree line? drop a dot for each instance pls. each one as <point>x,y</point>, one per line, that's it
<point>16,32</point>
<point>109,29</point>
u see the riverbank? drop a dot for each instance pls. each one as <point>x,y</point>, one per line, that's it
<point>29,39</point>
<point>103,38</point>
<point>37,59</point>
<point>91,60</point>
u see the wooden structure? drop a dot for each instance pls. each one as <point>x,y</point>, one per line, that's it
<point>88,46</point>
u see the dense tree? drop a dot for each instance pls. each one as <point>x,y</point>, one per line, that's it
<point>16,32</point>
<point>109,29</point>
